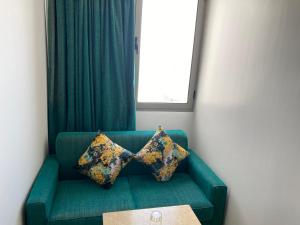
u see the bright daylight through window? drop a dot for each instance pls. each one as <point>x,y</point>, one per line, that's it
<point>166,50</point>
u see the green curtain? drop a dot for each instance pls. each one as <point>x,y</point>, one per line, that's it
<point>90,66</point>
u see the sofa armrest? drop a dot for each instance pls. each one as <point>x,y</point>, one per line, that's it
<point>212,186</point>
<point>39,202</point>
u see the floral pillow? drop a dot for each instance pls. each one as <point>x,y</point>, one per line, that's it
<point>103,160</point>
<point>162,155</point>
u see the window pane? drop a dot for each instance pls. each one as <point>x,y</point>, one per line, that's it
<point>166,47</point>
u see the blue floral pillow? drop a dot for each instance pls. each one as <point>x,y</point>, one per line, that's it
<point>162,155</point>
<point>103,160</point>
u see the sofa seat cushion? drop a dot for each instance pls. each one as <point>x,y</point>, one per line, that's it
<point>180,190</point>
<point>83,201</point>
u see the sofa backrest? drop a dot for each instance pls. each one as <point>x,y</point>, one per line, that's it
<point>71,145</point>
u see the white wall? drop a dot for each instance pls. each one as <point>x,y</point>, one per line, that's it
<point>150,120</point>
<point>23,118</point>
<point>247,119</point>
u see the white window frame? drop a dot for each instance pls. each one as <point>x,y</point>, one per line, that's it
<point>155,106</point>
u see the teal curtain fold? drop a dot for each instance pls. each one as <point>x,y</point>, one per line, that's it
<point>90,66</point>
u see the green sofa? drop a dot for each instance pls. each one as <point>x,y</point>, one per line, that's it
<point>61,196</point>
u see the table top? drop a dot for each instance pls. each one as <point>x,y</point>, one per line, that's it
<point>172,215</point>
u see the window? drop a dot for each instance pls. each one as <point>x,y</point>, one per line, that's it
<point>167,53</point>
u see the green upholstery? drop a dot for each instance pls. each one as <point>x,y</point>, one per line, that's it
<point>79,201</point>
<point>180,190</point>
<point>71,145</point>
<point>60,196</point>
<point>39,202</point>
<point>213,187</point>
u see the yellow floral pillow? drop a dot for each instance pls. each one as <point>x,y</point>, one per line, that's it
<point>162,155</point>
<point>103,160</point>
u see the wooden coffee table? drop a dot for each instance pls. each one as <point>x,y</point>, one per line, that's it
<point>173,215</point>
